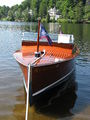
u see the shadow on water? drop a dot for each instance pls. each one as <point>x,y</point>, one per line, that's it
<point>59,101</point>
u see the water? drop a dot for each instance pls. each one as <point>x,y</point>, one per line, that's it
<point>56,105</point>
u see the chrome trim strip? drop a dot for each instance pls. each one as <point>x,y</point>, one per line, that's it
<point>42,90</point>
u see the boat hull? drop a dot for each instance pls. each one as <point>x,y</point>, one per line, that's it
<point>48,76</point>
<point>53,67</point>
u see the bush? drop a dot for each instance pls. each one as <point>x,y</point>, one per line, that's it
<point>62,20</point>
<point>43,20</point>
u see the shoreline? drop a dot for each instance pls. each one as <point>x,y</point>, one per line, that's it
<point>58,21</point>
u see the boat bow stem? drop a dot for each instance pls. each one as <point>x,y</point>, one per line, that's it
<point>29,86</point>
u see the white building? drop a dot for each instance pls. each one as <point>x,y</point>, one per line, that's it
<point>30,12</point>
<point>54,13</point>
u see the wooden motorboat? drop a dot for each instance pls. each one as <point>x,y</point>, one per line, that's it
<point>50,68</point>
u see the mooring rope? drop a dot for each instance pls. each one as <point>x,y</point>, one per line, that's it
<point>27,102</point>
<point>29,82</point>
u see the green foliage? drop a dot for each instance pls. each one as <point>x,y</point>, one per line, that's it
<point>53,20</point>
<point>87,12</point>
<point>17,14</point>
<point>62,20</point>
<point>71,10</point>
<point>52,3</point>
<point>71,14</point>
<point>43,9</point>
<point>48,18</point>
<point>79,12</point>
<point>10,16</point>
<point>26,15</point>
<point>35,5</point>
<point>43,20</point>
<point>3,11</point>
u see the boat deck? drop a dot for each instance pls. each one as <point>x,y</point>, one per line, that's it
<point>52,54</point>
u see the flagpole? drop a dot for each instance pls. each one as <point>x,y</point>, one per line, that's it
<point>38,34</point>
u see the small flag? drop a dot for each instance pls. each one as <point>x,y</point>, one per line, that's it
<point>44,34</point>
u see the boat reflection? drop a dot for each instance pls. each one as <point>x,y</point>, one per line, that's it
<point>58,101</point>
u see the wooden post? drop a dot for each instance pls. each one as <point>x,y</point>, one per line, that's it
<point>38,34</point>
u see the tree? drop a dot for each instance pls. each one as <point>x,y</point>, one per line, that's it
<point>87,11</point>
<point>10,16</point>
<point>58,4</point>
<point>71,13</point>
<point>43,9</point>
<point>26,16</point>
<point>3,11</point>
<point>52,3</point>
<point>48,18</point>
<point>18,14</point>
<point>35,5</point>
<point>70,9</point>
<point>79,12</point>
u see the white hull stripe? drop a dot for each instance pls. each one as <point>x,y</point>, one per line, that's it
<point>60,80</point>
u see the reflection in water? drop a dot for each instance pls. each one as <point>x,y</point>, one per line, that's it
<point>19,109</point>
<point>54,104</point>
<point>59,100</point>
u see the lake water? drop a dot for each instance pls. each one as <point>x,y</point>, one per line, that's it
<point>72,104</point>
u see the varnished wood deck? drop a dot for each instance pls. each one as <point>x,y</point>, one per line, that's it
<point>56,52</point>
<point>55,66</point>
